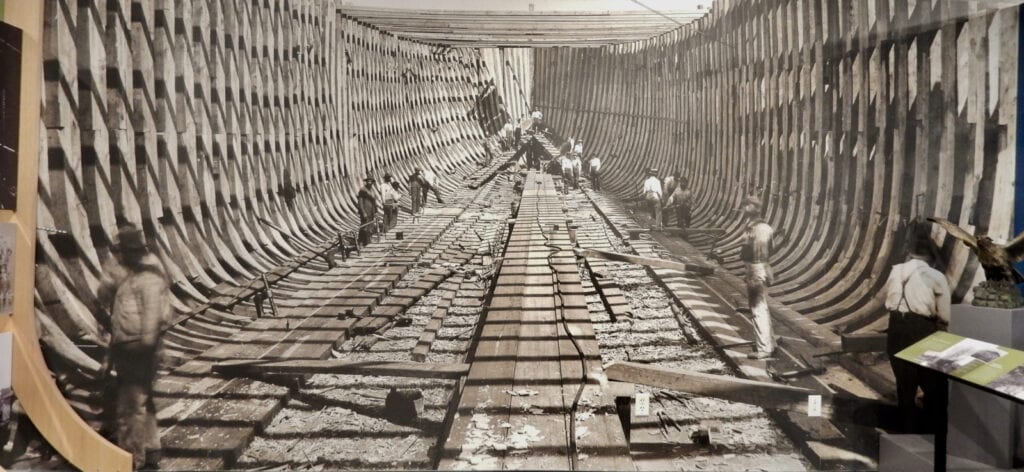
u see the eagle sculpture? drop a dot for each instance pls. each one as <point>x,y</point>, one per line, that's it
<point>997,260</point>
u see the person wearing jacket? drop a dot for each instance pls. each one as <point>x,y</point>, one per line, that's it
<point>140,314</point>
<point>366,200</point>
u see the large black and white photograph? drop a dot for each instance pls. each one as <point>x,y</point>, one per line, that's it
<point>962,357</point>
<point>10,86</point>
<point>623,235</point>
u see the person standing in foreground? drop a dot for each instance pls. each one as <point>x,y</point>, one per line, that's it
<point>755,252</point>
<point>595,173</point>
<point>416,191</point>
<point>682,199</point>
<point>651,194</point>
<point>389,198</point>
<point>141,312</point>
<point>917,297</point>
<point>366,201</point>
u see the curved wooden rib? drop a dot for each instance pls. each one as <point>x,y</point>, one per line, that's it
<point>851,118</point>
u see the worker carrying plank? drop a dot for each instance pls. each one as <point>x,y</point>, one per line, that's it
<point>917,297</point>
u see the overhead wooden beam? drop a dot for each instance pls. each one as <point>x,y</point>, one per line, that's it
<point>333,366</point>
<point>487,28</point>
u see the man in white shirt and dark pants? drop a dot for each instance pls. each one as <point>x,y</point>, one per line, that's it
<point>917,297</point>
<point>651,194</point>
<point>595,173</point>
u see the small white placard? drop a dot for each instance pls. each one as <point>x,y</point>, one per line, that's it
<point>6,358</point>
<point>814,405</point>
<point>643,404</point>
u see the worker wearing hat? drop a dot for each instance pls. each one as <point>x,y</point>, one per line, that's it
<point>140,312</point>
<point>651,194</point>
<point>389,197</point>
<point>416,190</point>
<point>755,252</point>
<point>366,203</point>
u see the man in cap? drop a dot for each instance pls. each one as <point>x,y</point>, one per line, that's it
<point>917,297</point>
<point>140,313</point>
<point>755,252</point>
<point>416,190</point>
<point>366,203</point>
<point>389,197</point>
<point>651,194</point>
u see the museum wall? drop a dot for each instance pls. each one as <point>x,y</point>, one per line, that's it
<point>200,120</point>
<point>851,119</point>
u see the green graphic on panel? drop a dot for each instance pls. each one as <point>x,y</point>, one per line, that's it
<point>996,367</point>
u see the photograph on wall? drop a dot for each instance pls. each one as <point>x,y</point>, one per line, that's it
<point>440,234</point>
<point>10,81</point>
<point>961,357</point>
<point>6,267</point>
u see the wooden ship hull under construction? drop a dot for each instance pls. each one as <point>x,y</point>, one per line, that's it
<point>237,134</point>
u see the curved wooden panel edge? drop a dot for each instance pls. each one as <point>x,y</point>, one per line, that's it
<point>36,390</point>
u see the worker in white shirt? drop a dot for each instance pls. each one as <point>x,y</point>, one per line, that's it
<point>430,185</point>
<point>389,197</point>
<point>595,173</point>
<point>578,147</point>
<point>651,194</point>
<point>566,171</point>
<point>577,168</point>
<point>755,252</point>
<point>507,136</point>
<point>917,297</point>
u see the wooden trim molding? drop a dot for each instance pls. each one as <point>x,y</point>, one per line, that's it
<point>35,388</point>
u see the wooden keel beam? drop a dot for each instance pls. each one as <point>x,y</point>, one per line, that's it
<point>337,366</point>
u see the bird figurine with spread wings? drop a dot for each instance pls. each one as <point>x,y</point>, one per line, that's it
<point>997,260</point>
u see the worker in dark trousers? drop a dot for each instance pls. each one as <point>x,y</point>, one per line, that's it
<point>595,173</point>
<point>366,202</point>
<point>917,297</point>
<point>389,197</point>
<point>577,168</point>
<point>682,200</point>
<point>416,191</point>
<point>141,311</point>
<point>650,194</point>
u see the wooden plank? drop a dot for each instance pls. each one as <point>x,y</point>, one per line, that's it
<point>338,366</point>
